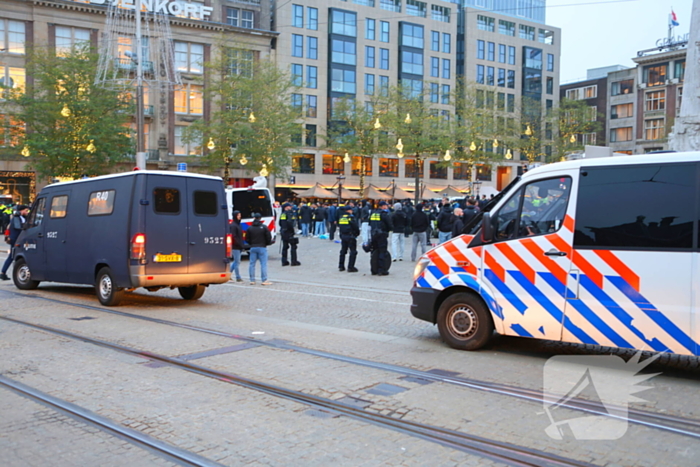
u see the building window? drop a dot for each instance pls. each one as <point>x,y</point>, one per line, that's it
<point>412,88</point>
<point>11,78</point>
<point>546,36</point>
<point>411,63</point>
<point>588,138</point>
<point>312,18</point>
<point>383,85</point>
<point>388,167</point>
<point>550,62</point>
<point>311,106</point>
<point>297,16</point>
<point>434,67</point>
<point>303,163</point>
<point>502,77</point>
<point>413,168</point>
<point>510,103</point>
<point>438,170</point>
<point>67,38</point>
<point>446,68</point>
<point>622,87</point>
<point>390,5</point>
<point>501,53</point>
<point>333,165</point>
<point>490,75</point>
<point>297,75</point>
<point>384,59</point>
<point>416,8</point>
<point>180,148</point>
<point>621,111</point>
<point>435,41</point>
<point>311,77</point>
<point>679,70</point>
<point>618,135</point>
<point>310,133</point>
<point>356,165</point>
<point>297,45</point>
<point>384,32</point>
<point>445,93</point>
<point>189,57</point>
<point>343,81</point>
<point>369,56</point>
<point>343,52</point>
<point>460,171</point>
<point>344,23</point>
<point>655,100</point>
<point>655,75</point>
<point>369,85</point>
<point>440,13</point>
<point>511,55</point>
<point>12,36</point>
<point>550,85</point>
<point>591,114</point>
<point>532,58</point>
<point>548,106</point>
<point>480,74</point>
<point>483,172</point>
<point>434,93</point>
<point>679,96</point>
<point>370,29</point>
<point>312,51</point>
<point>239,18</point>
<point>491,52</point>
<point>527,32</point>
<point>297,102</point>
<point>412,36</point>
<point>485,23</point>
<point>480,49</point>
<point>369,3</point>
<point>446,43</point>
<point>653,129</point>
<point>507,28</point>
<point>240,62</point>
<point>189,99</point>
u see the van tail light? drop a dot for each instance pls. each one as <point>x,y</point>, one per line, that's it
<point>138,248</point>
<point>229,245</point>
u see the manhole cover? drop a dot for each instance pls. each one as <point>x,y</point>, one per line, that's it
<point>384,389</point>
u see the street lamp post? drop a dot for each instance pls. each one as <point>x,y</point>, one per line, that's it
<point>340,188</point>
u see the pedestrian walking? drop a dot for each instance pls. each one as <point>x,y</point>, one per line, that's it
<point>16,224</point>
<point>380,226</point>
<point>419,224</point>
<point>305,219</point>
<point>398,220</point>
<point>259,237</point>
<point>237,244</point>
<point>348,230</point>
<point>289,240</point>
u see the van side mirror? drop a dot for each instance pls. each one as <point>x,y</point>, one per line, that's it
<point>486,228</point>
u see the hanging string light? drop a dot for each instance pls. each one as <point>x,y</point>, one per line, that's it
<point>408,119</point>
<point>251,118</point>
<point>377,125</point>
<point>65,111</point>
<point>91,147</point>
<point>211,145</point>
<point>243,160</point>
<point>509,155</point>
<point>447,157</point>
<point>25,151</point>
<point>346,159</point>
<point>472,147</point>
<point>264,172</point>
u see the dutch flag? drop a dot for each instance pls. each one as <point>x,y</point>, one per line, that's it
<point>674,19</point>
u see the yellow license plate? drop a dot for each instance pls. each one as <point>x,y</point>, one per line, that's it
<point>174,258</point>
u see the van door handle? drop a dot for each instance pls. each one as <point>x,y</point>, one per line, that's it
<point>193,243</point>
<point>554,252</point>
<point>40,235</point>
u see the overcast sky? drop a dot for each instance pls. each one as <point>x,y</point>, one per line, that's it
<point>597,33</point>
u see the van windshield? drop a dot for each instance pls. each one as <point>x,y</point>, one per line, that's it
<point>475,224</point>
<point>250,202</point>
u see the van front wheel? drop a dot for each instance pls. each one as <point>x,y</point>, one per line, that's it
<point>106,289</point>
<point>193,292</point>
<point>464,322</point>
<point>22,276</point>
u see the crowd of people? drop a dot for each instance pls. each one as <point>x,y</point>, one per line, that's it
<point>378,226</point>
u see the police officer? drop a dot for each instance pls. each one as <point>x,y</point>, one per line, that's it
<point>349,230</point>
<point>287,232</point>
<point>380,225</point>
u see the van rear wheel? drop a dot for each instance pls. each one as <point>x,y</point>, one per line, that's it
<point>22,276</point>
<point>464,322</point>
<point>193,292</point>
<point>106,289</point>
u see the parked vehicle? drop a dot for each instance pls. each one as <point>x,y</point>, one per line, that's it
<point>119,232</point>
<point>595,251</point>
<point>249,201</point>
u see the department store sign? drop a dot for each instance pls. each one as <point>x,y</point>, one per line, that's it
<point>665,42</point>
<point>167,7</point>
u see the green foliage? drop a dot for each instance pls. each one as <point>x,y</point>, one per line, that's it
<point>58,144</point>
<point>238,88</point>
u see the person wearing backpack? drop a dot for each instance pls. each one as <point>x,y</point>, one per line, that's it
<point>16,224</point>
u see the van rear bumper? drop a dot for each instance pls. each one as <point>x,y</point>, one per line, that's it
<point>178,280</point>
<point>423,306</point>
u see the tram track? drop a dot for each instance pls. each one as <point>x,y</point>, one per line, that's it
<point>655,420</point>
<point>507,453</point>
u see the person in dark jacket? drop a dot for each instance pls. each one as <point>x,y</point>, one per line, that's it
<point>364,222</point>
<point>16,224</point>
<point>320,221</point>
<point>444,223</point>
<point>259,237</point>
<point>457,224</point>
<point>470,211</point>
<point>398,219</point>
<point>305,219</point>
<point>237,244</point>
<point>287,232</point>
<point>332,215</point>
<point>419,224</point>
<point>349,230</point>
<point>380,225</point>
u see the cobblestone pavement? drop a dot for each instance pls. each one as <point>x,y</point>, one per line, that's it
<point>313,306</point>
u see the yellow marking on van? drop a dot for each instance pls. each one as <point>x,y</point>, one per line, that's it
<point>173,258</point>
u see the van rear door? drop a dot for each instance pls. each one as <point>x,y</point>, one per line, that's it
<point>55,239</point>
<point>208,223</point>
<point>167,249</point>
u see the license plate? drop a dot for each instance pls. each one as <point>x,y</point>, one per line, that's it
<point>174,258</point>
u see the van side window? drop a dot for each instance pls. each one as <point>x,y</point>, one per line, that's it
<point>101,203</point>
<point>166,200</point>
<point>650,206</point>
<point>205,203</point>
<point>544,206</point>
<point>37,214</point>
<point>506,219</point>
<point>58,206</point>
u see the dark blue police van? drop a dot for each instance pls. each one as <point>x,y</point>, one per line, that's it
<point>149,229</point>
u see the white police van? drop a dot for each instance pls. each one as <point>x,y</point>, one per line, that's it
<point>597,251</point>
<point>151,229</point>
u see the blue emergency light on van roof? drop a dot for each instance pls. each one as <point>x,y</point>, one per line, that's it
<point>182,166</point>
